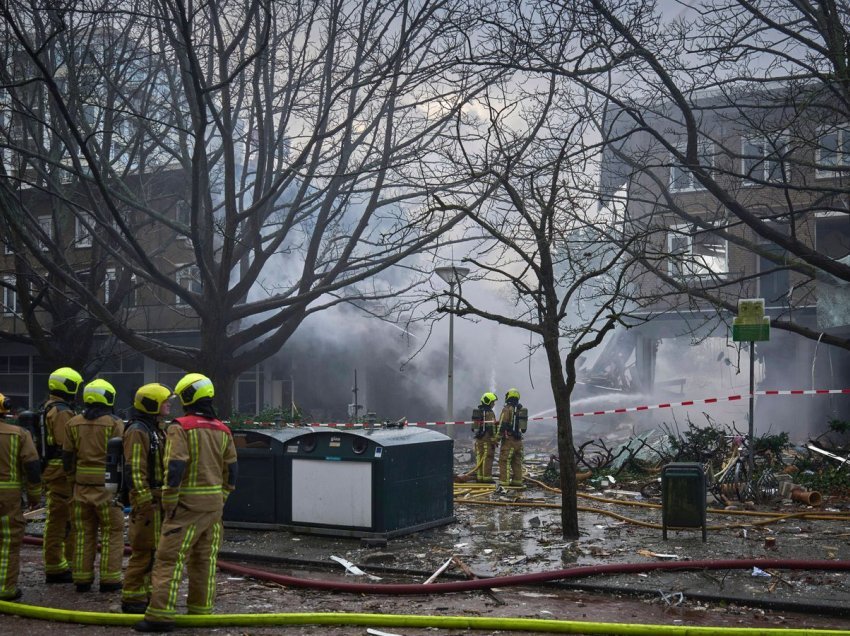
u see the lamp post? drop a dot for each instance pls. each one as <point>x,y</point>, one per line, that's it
<point>452,275</point>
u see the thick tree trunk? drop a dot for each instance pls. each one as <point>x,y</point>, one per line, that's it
<point>224,382</point>
<point>567,464</point>
<point>561,390</point>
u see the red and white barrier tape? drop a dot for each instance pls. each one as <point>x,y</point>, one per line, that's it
<point>630,409</point>
<point>728,398</point>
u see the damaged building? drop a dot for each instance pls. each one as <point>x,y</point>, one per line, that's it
<point>744,203</point>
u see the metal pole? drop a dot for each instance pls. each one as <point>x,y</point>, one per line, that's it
<point>751,457</point>
<point>450,401</point>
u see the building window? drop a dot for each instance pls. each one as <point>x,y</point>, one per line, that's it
<point>682,179</point>
<point>189,278</point>
<point>82,236</point>
<point>111,288</point>
<point>45,224</point>
<point>833,151</point>
<point>696,253</point>
<point>183,215</point>
<point>10,296</point>
<point>763,160</point>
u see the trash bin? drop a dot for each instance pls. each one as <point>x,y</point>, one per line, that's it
<point>262,495</point>
<point>375,483</point>
<point>683,497</point>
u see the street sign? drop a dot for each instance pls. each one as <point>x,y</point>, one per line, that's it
<point>751,325</point>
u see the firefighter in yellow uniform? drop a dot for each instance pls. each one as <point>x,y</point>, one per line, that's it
<point>96,513</point>
<point>485,432</point>
<point>58,546</point>
<point>511,429</point>
<point>20,469</point>
<point>200,461</point>
<point>144,443</point>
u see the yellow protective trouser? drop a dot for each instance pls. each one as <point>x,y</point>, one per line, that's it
<point>485,451</point>
<point>90,520</point>
<point>11,534</point>
<point>190,539</point>
<point>58,547</point>
<point>510,462</point>
<point>143,534</point>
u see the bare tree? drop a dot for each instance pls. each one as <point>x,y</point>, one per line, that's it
<point>40,198</point>
<point>304,137</point>
<point>543,237</point>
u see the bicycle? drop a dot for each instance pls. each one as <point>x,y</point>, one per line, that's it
<point>734,479</point>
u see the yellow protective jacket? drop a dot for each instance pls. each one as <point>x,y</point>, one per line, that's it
<point>57,414</point>
<point>508,425</point>
<point>20,468</point>
<point>84,454</point>
<point>200,461</point>
<point>143,453</point>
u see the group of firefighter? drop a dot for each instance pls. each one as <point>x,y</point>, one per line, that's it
<point>506,431</point>
<point>176,477</point>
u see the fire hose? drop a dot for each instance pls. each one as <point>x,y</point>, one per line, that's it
<point>451,622</point>
<point>407,620</point>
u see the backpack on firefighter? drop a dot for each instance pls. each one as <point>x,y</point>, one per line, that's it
<point>126,478</point>
<point>518,425</point>
<point>115,480</point>
<point>480,422</point>
<point>35,421</point>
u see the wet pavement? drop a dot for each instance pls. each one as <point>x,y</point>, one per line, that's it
<point>519,532</point>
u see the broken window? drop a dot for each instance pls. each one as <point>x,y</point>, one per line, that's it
<point>695,252</point>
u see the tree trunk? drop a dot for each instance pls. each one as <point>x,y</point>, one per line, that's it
<point>224,382</point>
<point>567,463</point>
<point>561,390</point>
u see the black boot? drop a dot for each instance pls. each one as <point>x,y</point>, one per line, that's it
<point>112,586</point>
<point>134,607</point>
<point>154,626</point>
<point>59,577</point>
<point>83,587</point>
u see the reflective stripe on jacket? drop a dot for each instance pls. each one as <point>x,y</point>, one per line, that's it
<point>200,460</point>
<point>17,454</point>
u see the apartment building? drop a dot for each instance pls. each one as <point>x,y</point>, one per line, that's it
<point>771,166</point>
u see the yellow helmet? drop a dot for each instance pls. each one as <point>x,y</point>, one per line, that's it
<point>192,387</point>
<point>488,398</point>
<point>149,398</point>
<point>64,380</point>
<point>512,393</point>
<point>5,404</point>
<point>99,392</point>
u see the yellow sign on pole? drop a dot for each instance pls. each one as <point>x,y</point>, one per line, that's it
<point>751,325</point>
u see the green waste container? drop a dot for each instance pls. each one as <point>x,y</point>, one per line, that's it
<point>683,497</point>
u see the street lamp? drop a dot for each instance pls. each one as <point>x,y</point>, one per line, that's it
<point>452,275</point>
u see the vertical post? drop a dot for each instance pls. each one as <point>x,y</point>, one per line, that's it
<point>751,457</point>
<point>452,275</point>
<point>355,391</point>
<point>450,428</point>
